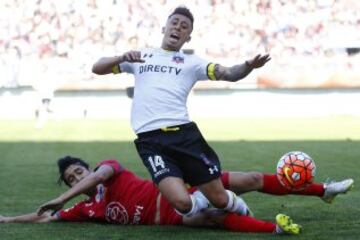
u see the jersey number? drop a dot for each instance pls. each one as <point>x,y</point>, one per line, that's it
<point>156,162</point>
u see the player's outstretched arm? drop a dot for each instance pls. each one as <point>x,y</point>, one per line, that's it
<point>237,72</point>
<point>28,218</point>
<point>102,174</point>
<point>105,65</point>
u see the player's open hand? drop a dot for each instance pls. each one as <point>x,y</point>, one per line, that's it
<point>258,61</point>
<point>4,219</point>
<point>54,205</point>
<point>133,56</point>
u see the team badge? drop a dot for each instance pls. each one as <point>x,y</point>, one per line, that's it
<point>178,59</point>
<point>116,213</point>
<point>100,193</point>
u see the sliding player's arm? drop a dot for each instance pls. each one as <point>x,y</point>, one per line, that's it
<point>238,72</point>
<point>106,65</point>
<point>28,218</point>
<point>102,174</point>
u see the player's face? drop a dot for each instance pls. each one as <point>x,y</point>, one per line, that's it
<point>75,173</point>
<point>176,32</point>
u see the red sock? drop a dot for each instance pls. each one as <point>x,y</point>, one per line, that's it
<point>315,189</point>
<point>272,185</point>
<point>225,180</point>
<point>241,223</point>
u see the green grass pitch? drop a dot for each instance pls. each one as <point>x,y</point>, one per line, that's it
<point>28,172</point>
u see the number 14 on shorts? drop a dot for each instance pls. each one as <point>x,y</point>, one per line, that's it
<point>156,162</point>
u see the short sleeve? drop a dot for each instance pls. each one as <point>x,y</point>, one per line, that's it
<point>204,70</point>
<point>125,67</point>
<point>72,214</point>
<point>112,163</point>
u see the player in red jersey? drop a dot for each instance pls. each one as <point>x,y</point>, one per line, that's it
<point>116,195</point>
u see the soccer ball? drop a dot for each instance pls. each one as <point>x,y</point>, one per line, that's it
<point>296,170</point>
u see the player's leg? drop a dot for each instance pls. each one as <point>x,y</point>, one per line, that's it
<point>241,182</point>
<point>169,178</point>
<point>238,223</point>
<point>333,188</point>
<point>201,167</point>
<point>205,175</point>
<point>171,185</point>
<point>207,218</point>
<point>271,185</point>
<point>224,199</point>
<point>241,223</point>
<point>327,191</point>
<point>174,190</point>
<point>230,221</point>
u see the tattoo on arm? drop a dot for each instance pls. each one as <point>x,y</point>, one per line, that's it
<point>233,73</point>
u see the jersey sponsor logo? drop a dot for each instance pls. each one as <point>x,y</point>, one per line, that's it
<point>178,59</point>
<point>159,68</point>
<point>116,213</point>
<point>137,214</point>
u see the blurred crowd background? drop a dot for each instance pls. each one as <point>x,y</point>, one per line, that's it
<point>313,43</point>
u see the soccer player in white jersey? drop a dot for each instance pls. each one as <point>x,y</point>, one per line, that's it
<point>169,143</point>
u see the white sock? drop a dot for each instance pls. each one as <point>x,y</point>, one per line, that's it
<point>236,204</point>
<point>199,202</point>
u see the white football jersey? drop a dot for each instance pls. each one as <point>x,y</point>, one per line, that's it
<point>162,85</point>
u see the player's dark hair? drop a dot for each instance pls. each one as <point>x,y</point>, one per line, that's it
<point>64,162</point>
<point>183,11</point>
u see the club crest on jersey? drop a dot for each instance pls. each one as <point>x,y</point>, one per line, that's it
<point>116,213</point>
<point>178,59</point>
<point>100,193</point>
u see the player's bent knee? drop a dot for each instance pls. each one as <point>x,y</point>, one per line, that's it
<point>183,205</point>
<point>219,200</point>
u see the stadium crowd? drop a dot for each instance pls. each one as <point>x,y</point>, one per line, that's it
<point>63,38</point>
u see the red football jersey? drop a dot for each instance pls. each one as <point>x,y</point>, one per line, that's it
<point>123,199</point>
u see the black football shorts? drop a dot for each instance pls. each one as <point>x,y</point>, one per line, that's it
<point>178,151</point>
